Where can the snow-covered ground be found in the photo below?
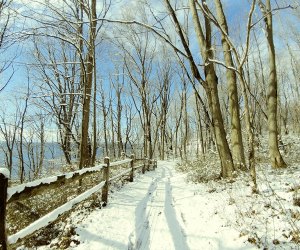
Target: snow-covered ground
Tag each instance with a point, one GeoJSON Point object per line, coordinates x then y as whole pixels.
{"type": "Point", "coordinates": [160, 210]}
{"type": "Point", "coordinates": [163, 210]}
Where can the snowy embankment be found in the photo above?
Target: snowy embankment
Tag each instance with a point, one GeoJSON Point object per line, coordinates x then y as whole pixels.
{"type": "Point", "coordinates": [159, 211]}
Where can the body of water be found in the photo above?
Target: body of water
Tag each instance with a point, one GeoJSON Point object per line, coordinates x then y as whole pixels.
{"type": "Point", "coordinates": [53, 158]}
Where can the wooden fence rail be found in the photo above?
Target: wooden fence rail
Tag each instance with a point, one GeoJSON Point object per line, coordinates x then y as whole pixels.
{"type": "Point", "coordinates": [27, 190]}
{"type": "Point", "coordinates": [3, 197]}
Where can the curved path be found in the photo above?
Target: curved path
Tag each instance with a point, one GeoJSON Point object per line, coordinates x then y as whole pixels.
{"type": "Point", "coordinates": [158, 211]}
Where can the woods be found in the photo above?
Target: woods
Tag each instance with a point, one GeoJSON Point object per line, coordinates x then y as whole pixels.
{"type": "Point", "coordinates": [208, 89]}
{"type": "Point", "coordinates": [170, 79]}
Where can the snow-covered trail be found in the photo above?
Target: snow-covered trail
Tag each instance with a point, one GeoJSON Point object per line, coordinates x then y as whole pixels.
{"type": "Point", "coordinates": [158, 211]}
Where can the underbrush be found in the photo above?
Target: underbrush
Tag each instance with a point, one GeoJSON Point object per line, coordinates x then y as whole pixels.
{"type": "Point", "coordinates": [203, 169]}
{"type": "Point", "coordinates": [22, 213]}
{"type": "Point", "coordinates": [269, 219]}
{"type": "Point", "coordinates": [61, 233]}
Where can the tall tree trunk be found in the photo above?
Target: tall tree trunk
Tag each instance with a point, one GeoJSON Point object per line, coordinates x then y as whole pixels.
{"type": "Point", "coordinates": [238, 154]}
{"type": "Point", "coordinates": [119, 117]}
{"type": "Point", "coordinates": [149, 137]}
{"type": "Point", "coordinates": [275, 156]}
{"type": "Point", "coordinates": [22, 168]}
{"type": "Point", "coordinates": [250, 132]}
{"type": "Point", "coordinates": [145, 127]}
{"type": "Point", "coordinates": [66, 148]}
{"type": "Point", "coordinates": [220, 134]}
{"type": "Point", "coordinates": [42, 149]}
{"type": "Point", "coordinates": [176, 143]}
{"type": "Point", "coordinates": [186, 124]}
{"type": "Point", "coordinates": [113, 148]}
{"type": "Point", "coordinates": [95, 115]}
{"type": "Point", "coordinates": [211, 89]}
{"type": "Point", "coordinates": [199, 127]}
{"type": "Point", "coordinates": [85, 157]}
{"type": "Point", "coordinates": [104, 113]}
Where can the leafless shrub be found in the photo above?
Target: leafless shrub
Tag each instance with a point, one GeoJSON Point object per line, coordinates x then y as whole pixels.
{"type": "Point", "coordinates": [204, 169]}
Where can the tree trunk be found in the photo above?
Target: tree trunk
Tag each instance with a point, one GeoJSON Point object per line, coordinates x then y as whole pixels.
{"type": "Point", "coordinates": [149, 138]}
{"type": "Point", "coordinates": [275, 156]}
{"type": "Point", "coordinates": [238, 154]}
{"type": "Point", "coordinates": [113, 148]}
{"type": "Point", "coordinates": [184, 141]}
{"type": "Point", "coordinates": [21, 154]}
{"type": "Point", "coordinates": [199, 127]}
{"type": "Point", "coordinates": [42, 149]}
{"type": "Point", "coordinates": [220, 134]}
{"type": "Point", "coordinates": [85, 157]}
{"type": "Point", "coordinates": [211, 89]}
{"type": "Point", "coordinates": [95, 115]}
{"type": "Point", "coordinates": [119, 116]}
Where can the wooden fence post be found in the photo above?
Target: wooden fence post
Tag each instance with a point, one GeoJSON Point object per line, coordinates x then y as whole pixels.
{"type": "Point", "coordinates": [106, 178]}
{"type": "Point", "coordinates": [132, 168]}
{"type": "Point", "coordinates": [3, 197]}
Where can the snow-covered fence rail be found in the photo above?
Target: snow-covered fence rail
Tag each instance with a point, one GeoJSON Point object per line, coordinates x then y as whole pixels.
{"type": "Point", "coordinates": [29, 189]}
{"type": "Point", "coordinates": [110, 171]}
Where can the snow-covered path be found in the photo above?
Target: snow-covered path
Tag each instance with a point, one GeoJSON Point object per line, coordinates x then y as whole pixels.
{"type": "Point", "coordinates": [158, 211]}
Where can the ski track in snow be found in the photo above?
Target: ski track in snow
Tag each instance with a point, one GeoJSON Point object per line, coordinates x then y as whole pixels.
{"type": "Point", "coordinates": [158, 211]}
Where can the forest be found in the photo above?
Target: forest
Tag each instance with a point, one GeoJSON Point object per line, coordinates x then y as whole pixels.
{"type": "Point", "coordinates": [212, 87]}
{"type": "Point", "coordinates": [160, 79]}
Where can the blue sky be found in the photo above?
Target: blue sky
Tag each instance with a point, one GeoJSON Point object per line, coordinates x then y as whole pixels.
{"type": "Point", "coordinates": [235, 10]}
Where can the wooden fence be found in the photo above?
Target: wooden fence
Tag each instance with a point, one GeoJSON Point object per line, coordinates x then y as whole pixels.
{"type": "Point", "coordinates": [109, 171]}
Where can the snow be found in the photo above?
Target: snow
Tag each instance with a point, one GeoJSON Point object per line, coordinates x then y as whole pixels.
{"type": "Point", "coordinates": [5, 172]}
{"type": "Point", "coordinates": [53, 215]}
{"type": "Point", "coordinates": [163, 209]}
{"type": "Point", "coordinates": [18, 189]}
{"type": "Point", "coordinates": [85, 170]}
{"type": "Point", "coordinates": [120, 162]}
{"type": "Point", "coordinates": [159, 211]}
{"type": "Point", "coordinates": [120, 175]}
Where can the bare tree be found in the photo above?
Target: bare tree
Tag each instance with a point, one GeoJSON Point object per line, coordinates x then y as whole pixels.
{"type": "Point", "coordinates": [240, 61]}
{"type": "Point", "coordinates": [139, 65]}
{"type": "Point", "coordinates": [5, 41]}
{"type": "Point", "coordinates": [58, 88]}
{"type": "Point", "coordinates": [164, 76]}
{"type": "Point", "coordinates": [118, 87]}
{"type": "Point", "coordinates": [236, 131]}
{"type": "Point", "coordinates": [104, 115]}
{"type": "Point", "coordinates": [9, 128]}
{"type": "Point", "coordinates": [22, 123]}
{"type": "Point", "coordinates": [275, 156]}
{"type": "Point", "coordinates": [87, 81]}
{"type": "Point", "coordinates": [34, 148]}
{"type": "Point", "coordinates": [210, 85]}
